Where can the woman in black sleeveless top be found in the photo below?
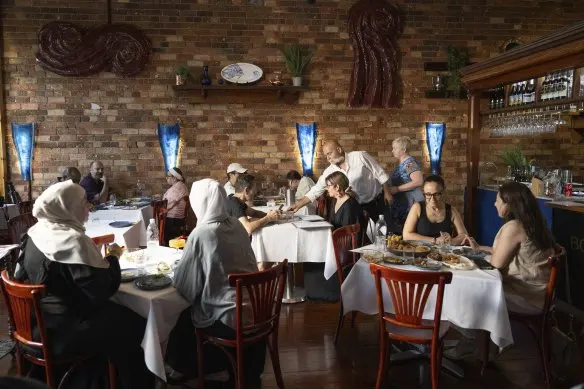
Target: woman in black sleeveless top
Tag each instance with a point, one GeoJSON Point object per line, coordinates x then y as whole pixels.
{"type": "Point", "coordinates": [433, 220]}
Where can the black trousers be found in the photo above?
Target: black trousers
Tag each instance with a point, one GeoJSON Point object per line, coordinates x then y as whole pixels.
{"type": "Point", "coordinates": [173, 229]}
{"type": "Point", "coordinates": [182, 351]}
{"type": "Point", "coordinates": [375, 207]}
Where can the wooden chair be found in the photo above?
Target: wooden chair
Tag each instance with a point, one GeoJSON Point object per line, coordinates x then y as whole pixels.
{"type": "Point", "coordinates": [538, 323]}
{"type": "Point", "coordinates": [19, 225]}
{"type": "Point", "coordinates": [321, 206]}
{"type": "Point", "coordinates": [103, 241]}
{"type": "Point", "coordinates": [345, 239]}
{"type": "Point", "coordinates": [25, 207]}
{"type": "Point", "coordinates": [156, 205]}
{"type": "Point", "coordinates": [409, 291]}
{"type": "Point", "coordinates": [161, 223]}
{"type": "Point", "coordinates": [265, 290]}
{"type": "Point", "coordinates": [23, 304]}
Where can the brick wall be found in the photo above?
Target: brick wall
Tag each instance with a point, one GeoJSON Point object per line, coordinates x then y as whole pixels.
{"type": "Point", "coordinates": [261, 135]}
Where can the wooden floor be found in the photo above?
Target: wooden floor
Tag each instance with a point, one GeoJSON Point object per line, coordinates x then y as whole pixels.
{"type": "Point", "coordinates": [310, 360]}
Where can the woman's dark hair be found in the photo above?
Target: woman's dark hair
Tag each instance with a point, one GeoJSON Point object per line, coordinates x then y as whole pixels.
{"type": "Point", "coordinates": [338, 178]}
{"type": "Point", "coordinates": [436, 179]}
{"type": "Point", "coordinates": [522, 206]}
{"type": "Point", "coordinates": [293, 175]}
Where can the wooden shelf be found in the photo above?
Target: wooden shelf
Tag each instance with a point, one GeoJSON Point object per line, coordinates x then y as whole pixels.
{"type": "Point", "coordinates": [539, 104]}
{"type": "Point", "coordinates": [204, 90]}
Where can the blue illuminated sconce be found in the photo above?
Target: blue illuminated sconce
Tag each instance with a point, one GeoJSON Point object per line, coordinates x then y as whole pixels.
{"type": "Point", "coordinates": [23, 138]}
{"type": "Point", "coordinates": [169, 138]}
{"type": "Point", "coordinates": [306, 135]}
{"type": "Point", "coordinates": [435, 135]}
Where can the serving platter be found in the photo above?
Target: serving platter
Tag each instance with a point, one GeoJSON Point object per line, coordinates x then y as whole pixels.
{"type": "Point", "coordinates": [241, 73]}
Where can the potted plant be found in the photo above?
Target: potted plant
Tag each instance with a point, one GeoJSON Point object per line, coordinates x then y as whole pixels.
{"type": "Point", "coordinates": [182, 74]}
{"type": "Point", "coordinates": [457, 59]}
{"type": "Point", "coordinates": [297, 58]}
{"type": "Point", "coordinates": [515, 160]}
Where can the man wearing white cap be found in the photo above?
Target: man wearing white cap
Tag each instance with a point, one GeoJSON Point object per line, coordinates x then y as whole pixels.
{"type": "Point", "coordinates": [233, 171]}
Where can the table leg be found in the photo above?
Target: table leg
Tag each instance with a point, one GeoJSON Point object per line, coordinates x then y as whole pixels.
{"type": "Point", "coordinates": [292, 295]}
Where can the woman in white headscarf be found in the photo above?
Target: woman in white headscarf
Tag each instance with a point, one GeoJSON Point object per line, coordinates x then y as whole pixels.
{"type": "Point", "coordinates": [177, 204]}
{"type": "Point", "coordinates": [80, 318]}
{"type": "Point", "coordinates": [218, 246]}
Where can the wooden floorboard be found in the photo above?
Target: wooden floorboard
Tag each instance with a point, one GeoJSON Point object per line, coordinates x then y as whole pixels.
{"type": "Point", "coordinates": [310, 360]}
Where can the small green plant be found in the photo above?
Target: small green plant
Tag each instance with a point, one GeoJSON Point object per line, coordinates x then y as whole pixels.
{"type": "Point", "coordinates": [297, 58]}
{"type": "Point", "coordinates": [513, 156]}
{"type": "Point", "coordinates": [183, 71]}
{"type": "Point", "coordinates": [457, 59]}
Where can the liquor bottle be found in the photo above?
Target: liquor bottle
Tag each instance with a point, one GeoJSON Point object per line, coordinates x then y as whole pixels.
{"type": "Point", "coordinates": [545, 88]}
{"type": "Point", "coordinates": [521, 96]}
{"type": "Point", "coordinates": [531, 89]}
{"type": "Point", "coordinates": [513, 95]}
{"type": "Point", "coordinates": [562, 88]}
{"type": "Point", "coordinates": [492, 98]}
{"type": "Point", "coordinates": [501, 99]}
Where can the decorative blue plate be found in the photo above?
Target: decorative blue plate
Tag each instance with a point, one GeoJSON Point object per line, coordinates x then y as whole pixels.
{"type": "Point", "coordinates": [121, 224]}
{"type": "Point", "coordinates": [241, 73]}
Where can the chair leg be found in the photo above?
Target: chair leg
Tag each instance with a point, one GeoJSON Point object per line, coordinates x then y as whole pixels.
{"type": "Point", "coordinates": [275, 356]}
{"type": "Point", "coordinates": [111, 369]}
{"type": "Point", "coordinates": [435, 360]}
{"type": "Point", "coordinates": [384, 345]}
{"type": "Point", "coordinates": [486, 342]}
{"type": "Point", "coordinates": [339, 323]}
{"type": "Point", "coordinates": [240, 372]}
{"type": "Point", "coordinates": [200, 361]}
{"type": "Point", "coordinates": [353, 317]}
{"type": "Point", "coordinates": [544, 348]}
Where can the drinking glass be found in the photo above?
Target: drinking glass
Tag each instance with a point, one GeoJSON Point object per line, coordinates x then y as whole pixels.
{"type": "Point", "coordinates": [113, 200]}
{"type": "Point", "coordinates": [408, 256]}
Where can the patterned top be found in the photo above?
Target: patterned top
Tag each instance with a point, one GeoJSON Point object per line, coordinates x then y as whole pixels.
{"type": "Point", "coordinates": [403, 201]}
{"type": "Point", "coordinates": [176, 204]}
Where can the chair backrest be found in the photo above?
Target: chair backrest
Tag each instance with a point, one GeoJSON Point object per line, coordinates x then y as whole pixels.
{"type": "Point", "coordinates": [19, 225]}
{"type": "Point", "coordinates": [265, 290]}
{"type": "Point", "coordinates": [321, 206]}
{"type": "Point", "coordinates": [102, 241]}
{"type": "Point", "coordinates": [554, 262]}
{"type": "Point", "coordinates": [25, 207]}
{"type": "Point", "coordinates": [190, 218]}
{"type": "Point", "coordinates": [22, 301]}
{"type": "Point", "coordinates": [161, 217]}
{"type": "Point", "coordinates": [409, 291]}
{"type": "Point", "coordinates": [156, 205]}
{"type": "Point", "coordinates": [345, 239]}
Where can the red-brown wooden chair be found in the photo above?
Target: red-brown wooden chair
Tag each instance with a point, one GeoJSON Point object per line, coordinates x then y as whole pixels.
{"type": "Point", "coordinates": [156, 206]}
{"type": "Point", "coordinates": [539, 323]}
{"type": "Point", "coordinates": [161, 223]}
{"type": "Point", "coordinates": [25, 207]}
{"type": "Point", "coordinates": [345, 239]}
{"type": "Point", "coordinates": [19, 225]}
{"type": "Point", "coordinates": [265, 290]}
{"type": "Point", "coordinates": [23, 304]}
{"type": "Point", "coordinates": [102, 242]}
{"type": "Point", "coordinates": [409, 291]}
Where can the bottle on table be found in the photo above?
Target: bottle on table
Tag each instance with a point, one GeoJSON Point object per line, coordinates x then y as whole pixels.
{"type": "Point", "coordinates": [152, 238]}
{"type": "Point", "coordinates": [380, 233]}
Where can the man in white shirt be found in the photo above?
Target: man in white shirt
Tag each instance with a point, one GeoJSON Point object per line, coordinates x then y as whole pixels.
{"type": "Point", "coordinates": [366, 177]}
{"type": "Point", "coordinates": [233, 171]}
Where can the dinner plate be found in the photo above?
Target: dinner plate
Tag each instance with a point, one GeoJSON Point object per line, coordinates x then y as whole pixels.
{"type": "Point", "coordinates": [392, 260]}
{"type": "Point", "coordinates": [121, 224]}
{"type": "Point", "coordinates": [464, 262]}
{"type": "Point", "coordinates": [469, 252]}
{"type": "Point", "coordinates": [152, 282]}
{"type": "Point", "coordinates": [241, 73]}
{"type": "Point", "coordinates": [419, 253]}
{"type": "Point", "coordinates": [427, 264]}
{"type": "Point", "coordinates": [131, 274]}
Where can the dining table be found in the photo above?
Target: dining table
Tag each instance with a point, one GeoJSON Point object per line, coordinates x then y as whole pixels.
{"type": "Point", "coordinates": [161, 308]}
{"type": "Point", "coordinates": [99, 222]}
{"type": "Point", "coordinates": [304, 238]}
{"type": "Point", "coordinates": [473, 300]}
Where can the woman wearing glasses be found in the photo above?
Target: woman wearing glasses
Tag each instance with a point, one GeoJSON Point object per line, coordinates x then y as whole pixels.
{"type": "Point", "coordinates": [434, 220]}
{"type": "Point", "coordinates": [177, 204]}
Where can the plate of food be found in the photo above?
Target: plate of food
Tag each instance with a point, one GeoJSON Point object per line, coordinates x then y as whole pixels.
{"type": "Point", "coordinates": [131, 274]}
{"type": "Point", "coordinates": [469, 252]}
{"type": "Point", "coordinates": [372, 256]}
{"type": "Point", "coordinates": [241, 73]}
{"type": "Point", "coordinates": [427, 264]}
{"type": "Point", "coordinates": [393, 260]}
{"type": "Point", "coordinates": [396, 245]}
{"type": "Point", "coordinates": [152, 282]}
{"type": "Point", "coordinates": [457, 262]}
{"type": "Point", "coordinates": [435, 256]}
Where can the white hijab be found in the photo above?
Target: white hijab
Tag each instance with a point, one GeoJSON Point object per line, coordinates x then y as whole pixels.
{"type": "Point", "coordinates": [59, 233]}
{"type": "Point", "coordinates": [208, 201]}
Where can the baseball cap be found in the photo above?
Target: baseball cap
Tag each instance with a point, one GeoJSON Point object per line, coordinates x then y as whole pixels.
{"type": "Point", "coordinates": [235, 167]}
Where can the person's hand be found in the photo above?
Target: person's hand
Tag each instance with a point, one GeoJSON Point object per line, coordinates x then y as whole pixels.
{"type": "Point", "coordinates": [444, 238]}
{"type": "Point", "coordinates": [294, 207]}
{"type": "Point", "coordinates": [114, 250]}
{"type": "Point", "coordinates": [393, 189]}
{"type": "Point", "coordinates": [104, 179]}
{"type": "Point", "coordinates": [273, 215]}
{"type": "Point", "coordinates": [469, 241]}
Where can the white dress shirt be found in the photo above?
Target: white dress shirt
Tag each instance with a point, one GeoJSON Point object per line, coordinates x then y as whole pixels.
{"type": "Point", "coordinates": [365, 175]}
{"type": "Point", "coordinates": [230, 189]}
{"type": "Point", "coordinates": [304, 186]}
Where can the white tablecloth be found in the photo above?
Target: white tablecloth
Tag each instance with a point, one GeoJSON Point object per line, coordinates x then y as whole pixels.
{"type": "Point", "coordinates": [473, 300]}
{"type": "Point", "coordinates": [275, 242]}
{"type": "Point", "coordinates": [310, 209]}
{"type": "Point", "coordinates": [127, 236]}
{"type": "Point", "coordinates": [161, 308]}
{"type": "Point", "coordinates": [143, 214]}
{"type": "Point", "coordinates": [8, 209]}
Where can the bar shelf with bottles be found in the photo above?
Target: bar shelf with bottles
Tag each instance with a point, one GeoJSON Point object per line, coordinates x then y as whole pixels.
{"type": "Point", "coordinates": [556, 88]}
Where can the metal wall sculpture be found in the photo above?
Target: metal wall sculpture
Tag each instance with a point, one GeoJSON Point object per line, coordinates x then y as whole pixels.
{"type": "Point", "coordinates": [374, 27]}
{"type": "Point", "coordinates": [23, 138]}
{"type": "Point", "coordinates": [306, 135]}
{"type": "Point", "coordinates": [435, 135]}
{"type": "Point", "coordinates": [169, 138]}
{"type": "Point", "coordinates": [69, 50]}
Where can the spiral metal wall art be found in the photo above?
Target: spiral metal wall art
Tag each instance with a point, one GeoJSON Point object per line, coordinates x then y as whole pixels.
{"type": "Point", "coordinates": [374, 27]}
{"type": "Point", "coordinates": [69, 50]}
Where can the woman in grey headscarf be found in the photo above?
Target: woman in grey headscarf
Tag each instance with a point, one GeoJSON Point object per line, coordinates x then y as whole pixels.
{"type": "Point", "coordinates": [218, 246]}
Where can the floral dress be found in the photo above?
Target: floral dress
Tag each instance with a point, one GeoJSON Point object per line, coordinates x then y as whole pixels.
{"type": "Point", "coordinates": [403, 201]}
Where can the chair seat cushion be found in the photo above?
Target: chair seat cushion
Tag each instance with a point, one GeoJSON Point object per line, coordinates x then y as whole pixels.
{"type": "Point", "coordinates": [423, 334]}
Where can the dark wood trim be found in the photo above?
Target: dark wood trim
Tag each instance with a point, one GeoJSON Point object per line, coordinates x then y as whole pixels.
{"type": "Point", "coordinates": [4, 173]}
{"type": "Point", "coordinates": [472, 155]}
{"type": "Point", "coordinates": [539, 104]}
{"type": "Point", "coordinates": [204, 90]}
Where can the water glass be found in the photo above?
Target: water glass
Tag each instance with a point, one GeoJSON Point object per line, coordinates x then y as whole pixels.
{"type": "Point", "coordinates": [381, 243]}
{"type": "Point", "coordinates": [113, 200]}
{"type": "Point", "coordinates": [408, 256]}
